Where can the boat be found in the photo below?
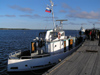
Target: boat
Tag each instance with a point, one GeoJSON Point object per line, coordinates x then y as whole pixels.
{"type": "Point", "coordinates": [82, 30]}
{"type": "Point", "coordinates": [47, 50]}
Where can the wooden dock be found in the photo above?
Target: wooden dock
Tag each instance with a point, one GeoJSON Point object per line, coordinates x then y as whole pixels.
{"type": "Point", "coordinates": [85, 61]}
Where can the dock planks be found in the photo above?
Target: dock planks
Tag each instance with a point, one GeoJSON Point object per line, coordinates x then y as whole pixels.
{"type": "Point", "coordinates": [85, 61]}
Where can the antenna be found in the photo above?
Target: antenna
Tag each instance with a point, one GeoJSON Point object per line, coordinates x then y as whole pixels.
{"type": "Point", "coordinates": [81, 25]}
{"type": "Point", "coordinates": [61, 21]}
{"type": "Point", "coordinates": [94, 26]}
{"type": "Point", "coordinates": [52, 4]}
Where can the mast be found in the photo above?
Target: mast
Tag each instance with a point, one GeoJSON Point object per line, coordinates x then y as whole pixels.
{"type": "Point", "coordinates": [52, 4]}
{"type": "Point", "coordinates": [93, 26]}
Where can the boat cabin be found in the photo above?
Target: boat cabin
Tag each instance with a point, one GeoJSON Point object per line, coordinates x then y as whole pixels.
{"type": "Point", "coordinates": [54, 42]}
{"type": "Point", "coordinates": [54, 35]}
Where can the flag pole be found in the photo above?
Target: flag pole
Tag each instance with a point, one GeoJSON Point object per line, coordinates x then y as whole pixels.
{"type": "Point", "coordinates": [52, 12]}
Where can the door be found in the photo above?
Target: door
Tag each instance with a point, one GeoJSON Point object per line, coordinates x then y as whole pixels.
{"type": "Point", "coordinates": [64, 46]}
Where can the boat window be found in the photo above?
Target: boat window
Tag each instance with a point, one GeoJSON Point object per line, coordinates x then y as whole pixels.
{"type": "Point", "coordinates": [63, 34]}
{"type": "Point", "coordinates": [54, 34]}
{"type": "Point", "coordinates": [42, 34]}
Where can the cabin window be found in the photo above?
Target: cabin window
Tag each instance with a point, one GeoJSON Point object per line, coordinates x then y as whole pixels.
{"type": "Point", "coordinates": [63, 34]}
{"type": "Point", "coordinates": [54, 34]}
{"type": "Point", "coordinates": [42, 34]}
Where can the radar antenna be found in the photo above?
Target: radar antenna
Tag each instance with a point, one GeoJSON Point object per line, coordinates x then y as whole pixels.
{"type": "Point", "coordinates": [61, 23]}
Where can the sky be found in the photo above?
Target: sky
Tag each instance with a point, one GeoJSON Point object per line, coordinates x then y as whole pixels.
{"type": "Point", "coordinates": [31, 14]}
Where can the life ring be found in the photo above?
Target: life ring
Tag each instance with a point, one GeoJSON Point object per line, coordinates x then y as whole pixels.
{"type": "Point", "coordinates": [59, 35]}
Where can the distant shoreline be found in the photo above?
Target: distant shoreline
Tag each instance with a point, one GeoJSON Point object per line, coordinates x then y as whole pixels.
{"type": "Point", "coordinates": [14, 29]}
{"type": "Point", "coordinates": [27, 29]}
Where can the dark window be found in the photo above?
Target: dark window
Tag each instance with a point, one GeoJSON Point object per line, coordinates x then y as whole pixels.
{"type": "Point", "coordinates": [63, 34]}
{"type": "Point", "coordinates": [14, 68]}
{"type": "Point", "coordinates": [54, 34]}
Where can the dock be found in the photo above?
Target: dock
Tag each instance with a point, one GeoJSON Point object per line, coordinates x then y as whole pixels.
{"type": "Point", "coordinates": [84, 61]}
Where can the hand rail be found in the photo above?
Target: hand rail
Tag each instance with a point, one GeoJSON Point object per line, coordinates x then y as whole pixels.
{"type": "Point", "coordinates": [14, 53]}
{"type": "Point", "coordinates": [31, 57]}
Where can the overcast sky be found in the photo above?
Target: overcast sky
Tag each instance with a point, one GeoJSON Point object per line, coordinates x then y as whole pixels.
{"type": "Point", "coordinates": [31, 13]}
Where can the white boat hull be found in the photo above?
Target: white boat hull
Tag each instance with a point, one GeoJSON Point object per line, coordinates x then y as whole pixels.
{"type": "Point", "coordinates": [15, 65]}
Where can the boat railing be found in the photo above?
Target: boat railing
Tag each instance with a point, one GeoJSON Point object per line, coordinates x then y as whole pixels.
{"type": "Point", "coordinates": [36, 56]}
{"type": "Point", "coordinates": [15, 53]}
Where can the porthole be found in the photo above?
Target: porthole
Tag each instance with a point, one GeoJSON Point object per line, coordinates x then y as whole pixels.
{"type": "Point", "coordinates": [26, 65]}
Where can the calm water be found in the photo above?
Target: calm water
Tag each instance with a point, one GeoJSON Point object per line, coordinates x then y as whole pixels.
{"type": "Point", "coordinates": [12, 40]}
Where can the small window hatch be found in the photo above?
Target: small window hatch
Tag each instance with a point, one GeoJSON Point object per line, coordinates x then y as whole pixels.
{"type": "Point", "coordinates": [14, 68]}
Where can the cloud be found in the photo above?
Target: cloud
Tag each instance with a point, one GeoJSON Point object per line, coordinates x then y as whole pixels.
{"type": "Point", "coordinates": [85, 15]}
{"type": "Point", "coordinates": [50, 17]}
{"type": "Point", "coordinates": [7, 15]}
{"type": "Point", "coordinates": [78, 13]}
{"type": "Point", "coordinates": [64, 5]}
{"type": "Point", "coordinates": [10, 15]}
{"type": "Point", "coordinates": [83, 23]}
{"type": "Point", "coordinates": [62, 11]}
{"type": "Point", "coordinates": [91, 22]}
{"type": "Point", "coordinates": [72, 23]}
{"type": "Point", "coordinates": [78, 8]}
{"type": "Point", "coordinates": [97, 23]}
{"type": "Point", "coordinates": [36, 15]}
{"type": "Point", "coordinates": [28, 10]}
{"type": "Point", "coordinates": [31, 16]}
{"type": "Point", "coordinates": [46, 18]}
{"type": "Point", "coordinates": [72, 11]}
{"type": "Point", "coordinates": [1, 16]}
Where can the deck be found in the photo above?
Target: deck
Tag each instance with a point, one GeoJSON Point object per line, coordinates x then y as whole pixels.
{"type": "Point", "coordinates": [85, 61]}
